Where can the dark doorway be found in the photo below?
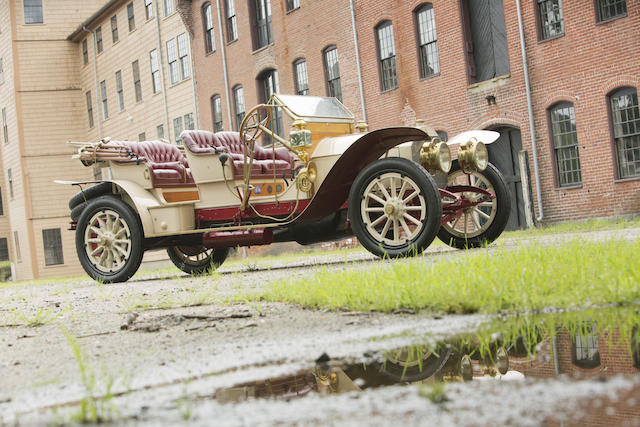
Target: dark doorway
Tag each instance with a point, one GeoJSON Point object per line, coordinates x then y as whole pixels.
{"type": "Point", "coordinates": [503, 153]}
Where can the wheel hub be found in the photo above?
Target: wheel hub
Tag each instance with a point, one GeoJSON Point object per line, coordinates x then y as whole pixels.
{"type": "Point", "coordinates": [394, 208]}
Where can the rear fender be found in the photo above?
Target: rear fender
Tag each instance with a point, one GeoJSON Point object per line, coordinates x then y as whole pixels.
{"type": "Point", "coordinates": [140, 200]}
{"type": "Point", "coordinates": [334, 190]}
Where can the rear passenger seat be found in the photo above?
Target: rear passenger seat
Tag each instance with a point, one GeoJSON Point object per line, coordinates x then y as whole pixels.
{"type": "Point", "coordinates": [202, 142]}
{"type": "Point", "coordinates": [168, 166]}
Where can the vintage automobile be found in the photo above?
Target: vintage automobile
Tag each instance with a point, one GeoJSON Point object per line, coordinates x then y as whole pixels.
{"type": "Point", "coordinates": [396, 189]}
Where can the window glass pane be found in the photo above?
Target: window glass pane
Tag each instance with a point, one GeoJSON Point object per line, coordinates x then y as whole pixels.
{"type": "Point", "coordinates": [160, 131]}
{"type": "Point", "coordinates": [148, 8]}
{"type": "Point", "coordinates": [611, 8]}
{"type": "Point", "coordinates": [114, 28]}
{"type": "Point", "coordinates": [136, 80]}
{"type": "Point", "coordinates": [103, 94]}
{"type": "Point", "coordinates": [387, 52]}
{"type": "Point", "coordinates": [131, 18]}
{"type": "Point", "coordinates": [232, 28]}
{"type": "Point", "coordinates": [188, 121]}
{"type": "Point", "coordinates": [177, 130]}
{"type": "Point", "coordinates": [52, 247]}
{"type": "Point", "coordinates": [183, 54]}
{"type": "Point", "coordinates": [168, 7]}
{"type": "Point", "coordinates": [238, 97]}
{"type": "Point", "coordinates": [333, 73]}
{"type": "Point", "coordinates": [551, 20]}
{"type": "Point", "coordinates": [626, 129]}
{"type": "Point", "coordinates": [429, 62]}
{"type": "Point", "coordinates": [99, 39]}
{"type": "Point", "coordinates": [565, 142]}
{"type": "Point", "coordinates": [89, 108]}
{"type": "Point", "coordinates": [33, 11]}
{"type": "Point", "coordinates": [302, 80]}
{"type": "Point", "coordinates": [209, 39]}
{"type": "Point", "coordinates": [263, 22]}
{"type": "Point", "coordinates": [216, 110]}
{"type": "Point", "coordinates": [4, 249]}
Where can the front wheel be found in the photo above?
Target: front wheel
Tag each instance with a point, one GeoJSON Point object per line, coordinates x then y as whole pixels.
{"type": "Point", "coordinates": [197, 260]}
{"type": "Point", "coordinates": [394, 208]}
{"type": "Point", "coordinates": [485, 218]}
{"type": "Point", "coordinates": [109, 240]}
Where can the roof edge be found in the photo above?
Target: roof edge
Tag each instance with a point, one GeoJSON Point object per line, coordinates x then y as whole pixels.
{"type": "Point", "coordinates": [81, 28]}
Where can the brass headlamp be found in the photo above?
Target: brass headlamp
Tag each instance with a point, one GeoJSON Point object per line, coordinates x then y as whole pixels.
{"type": "Point", "coordinates": [435, 155]}
{"type": "Point", "coordinates": [473, 156]}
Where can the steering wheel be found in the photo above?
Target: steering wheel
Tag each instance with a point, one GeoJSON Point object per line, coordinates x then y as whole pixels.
{"type": "Point", "coordinates": [249, 128]}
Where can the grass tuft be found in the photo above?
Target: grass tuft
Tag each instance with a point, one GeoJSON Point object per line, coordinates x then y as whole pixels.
{"type": "Point", "coordinates": [530, 279]}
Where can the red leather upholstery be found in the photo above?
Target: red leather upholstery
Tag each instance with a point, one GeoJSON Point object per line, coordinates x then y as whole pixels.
{"type": "Point", "coordinates": [200, 142]}
{"type": "Point", "coordinates": [168, 166]}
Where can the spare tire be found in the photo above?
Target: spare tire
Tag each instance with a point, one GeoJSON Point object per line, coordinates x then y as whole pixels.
{"type": "Point", "coordinates": [90, 193]}
{"type": "Point", "coordinates": [77, 211]}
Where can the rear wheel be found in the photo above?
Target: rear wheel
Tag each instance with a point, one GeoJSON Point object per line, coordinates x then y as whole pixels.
{"type": "Point", "coordinates": [197, 259]}
{"type": "Point", "coordinates": [109, 240]}
{"type": "Point", "coordinates": [394, 208]}
{"type": "Point", "coordinates": [486, 220]}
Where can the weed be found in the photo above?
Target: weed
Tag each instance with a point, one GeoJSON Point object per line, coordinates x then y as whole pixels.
{"type": "Point", "coordinates": [434, 392]}
{"type": "Point", "coordinates": [38, 317]}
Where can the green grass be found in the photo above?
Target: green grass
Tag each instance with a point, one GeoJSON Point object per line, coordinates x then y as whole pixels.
{"type": "Point", "coordinates": [529, 279]}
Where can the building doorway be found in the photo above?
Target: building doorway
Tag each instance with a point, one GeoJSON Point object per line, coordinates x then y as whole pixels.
{"type": "Point", "coordinates": [503, 153]}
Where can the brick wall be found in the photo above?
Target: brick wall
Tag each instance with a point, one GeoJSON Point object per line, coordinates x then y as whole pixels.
{"type": "Point", "coordinates": [582, 66]}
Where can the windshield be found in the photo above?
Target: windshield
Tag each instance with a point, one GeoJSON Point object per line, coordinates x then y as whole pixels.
{"type": "Point", "coordinates": [309, 107]}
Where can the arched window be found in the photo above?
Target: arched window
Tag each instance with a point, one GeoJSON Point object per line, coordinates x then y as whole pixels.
{"type": "Point", "coordinates": [427, 40]}
{"type": "Point", "coordinates": [232, 27]}
{"type": "Point", "coordinates": [625, 122]}
{"type": "Point", "coordinates": [207, 22]}
{"type": "Point", "coordinates": [565, 144]}
{"type": "Point", "coordinates": [300, 76]}
{"type": "Point", "coordinates": [585, 347]}
{"type": "Point", "coordinates": [386, 56]}
{"type": "Point", "coordinates": [267, 86]}
{"type": "Point", "coordinates": [238, 102]}
{"type": "Point", "coordinates": [332, 71]}
{"type": "Point", "coordinates": [216, 113]}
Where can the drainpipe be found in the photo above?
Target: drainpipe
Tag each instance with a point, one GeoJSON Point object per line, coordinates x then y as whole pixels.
{"type": "Point", "coordinates": [224, 64]}
{"type": "Point", "coordinates": [358, 65]}
{"type": "Point", "coordinates": [161, 67]}
{"type": "Point", "coordinates": [95, 80]}
{"type": "Point", "coordinates": [534, 147]}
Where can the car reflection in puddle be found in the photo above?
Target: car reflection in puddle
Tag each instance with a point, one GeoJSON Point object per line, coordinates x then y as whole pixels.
{"type": "Point", "coordinates": [577, 346]}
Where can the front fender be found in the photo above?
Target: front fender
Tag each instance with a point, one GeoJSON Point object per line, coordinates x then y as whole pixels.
{"type": "Point", "coordinates": [334, 190]}
{"type": "Point", "coordinates": [140, 200]}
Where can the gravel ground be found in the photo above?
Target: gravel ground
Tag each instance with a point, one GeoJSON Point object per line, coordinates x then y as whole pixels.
{"type": "Point", "coordinates": [163, 365]}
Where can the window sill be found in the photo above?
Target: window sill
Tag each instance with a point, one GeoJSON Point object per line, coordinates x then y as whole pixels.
{"type": "Point", "coordinates": [629, 179]}
{"type": "Point", "coordinates": [55, 266]}
{"type": "Point", "coordinates": [429, 77]}
{"type": "Point", "coordinates": [260, 49]}
{"type": "Point", "coordinates": [115, 42]}
{"type": "Point", "coordinates": [178, 83]}
{"type": "Point", "coordinates": [386, 91]}
{"type": "Point", "coordinates": [292, 10]}
{"type": "Point", "coordinates": [169, 15]}
{"type": "Point", "coordinates": [131, 31]}
{"type": "Point", "coordinates": [551, 38]}
{"type": "Point", "coordinates": [615, 18]}
{"type": "Point", "coordinates": [570, 187]}
{"type": "Point", "coordinates": [482, 84]}
{"type": "Point", "coordinates": [230, 42]}
{"type": "Point", "coordinates": [210, 53]}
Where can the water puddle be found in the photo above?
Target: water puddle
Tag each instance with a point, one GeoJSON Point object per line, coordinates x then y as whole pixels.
{"type": "Point", "coordinates": [573, 346]}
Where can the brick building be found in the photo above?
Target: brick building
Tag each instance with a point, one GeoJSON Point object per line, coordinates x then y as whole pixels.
{"type": "Point", "coordinates": [79, 71]}
{"type": "Point", "coordinates": [459, 65]}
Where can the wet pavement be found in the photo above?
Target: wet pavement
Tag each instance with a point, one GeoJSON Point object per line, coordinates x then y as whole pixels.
{"type": "Point", "coordinates": [173, 350]}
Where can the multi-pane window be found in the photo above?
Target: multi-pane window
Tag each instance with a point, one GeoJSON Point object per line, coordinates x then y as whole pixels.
{"type": "Point", "coordinates": [4, 249]}
{"type": "Point", "coordinates": [216, 113]}
{"type": "Point", "coordinates": [387, 55]}
{"type": "Point", "coordinates": [1, 211]}
{"type": "Point", "coordinates": [10, 181]}
{"type": "Point", "coordinates": [565, 144]}
{"type": "Point", "coordinates": [131, 17]}
{"type": "Point", "coordinates": [609, 9]}
{"type": "Point", "coordinates": [232, 26]}
{"type": "Point", "coordinates": [99, 39]}
{"type": "Point", "coordinates": [1, 72]}
{"type": "Point", "coordinates": [207, 21]}
{"type": "Point", "coordinates": [586, 349]}
{"type": "Point", "coordinates": [168, 7]}
{"type": "Point", "coordinates": [177, 130]}
{"type": "Point", "coordinates": [188, 121]}
{"type": "Point", "coordinates": [148, 9]}
{"type": "Point", "coordinates": [119, 90]}
{"type": "Point", "coordinates": [292, 4]}
{"type": "Point", "coordinates": [137, 85]}
{"type": "Point", "coordinates": [33, 11]}
{"type": "Point", "coordinates": [155, 70]}
{"type": "Point", "coordinates": [5, 126]}
{"type": "Point", "coordinates": [114, 28]}
{"type": "Point", "coordinates": [160, 131]}
{"type": "Point", "coordinates": [238, 101]}
{"type": "Point", "coordinates": [52, 242]}
{"type": "Point", "coordinates": [551, 21]}
{"type": "Point", "coordinates": [332, 72]}
{"type": "Point", "coordinates": [183, 54]}
{"type": "Point", "coordinates": [626, 131]}
{"type": "Point", "coordinates": [105, 105]}
{"type": "Point", "coordinates": [89, 108]}
{"type": "Point", "coordinates": [263, 23]}
{"type": "Point", "coordinates": [85, 52]}
{"type": "Point", "coordinates": [300, 77]}
{"type": "Point", "coordinates": [142, 136]}
{"type": "Point", "coordinates": [268, 85]}
{"type": "Point", "coordinates": [427, 41]}
{"type": "Point", "coordinates": [172, 57]}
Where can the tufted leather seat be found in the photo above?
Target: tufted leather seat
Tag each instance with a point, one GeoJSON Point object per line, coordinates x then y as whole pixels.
{"type": "Point", "coordinates": [168, 166]}
{"type": "Point", "coordinates": [202, 142]}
